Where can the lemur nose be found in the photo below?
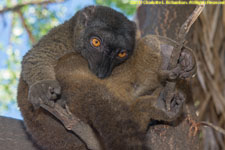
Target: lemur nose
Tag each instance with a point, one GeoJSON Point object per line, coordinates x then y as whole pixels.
{"type": "Point", "coordinates": [101, 75]}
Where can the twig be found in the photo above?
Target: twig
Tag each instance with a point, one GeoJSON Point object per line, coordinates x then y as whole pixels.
{"type": "Point", "coordinates": [221, 130]}
{"type": "Point", "coordinates": [170, 86]}
{"type": "Point", "coordinates": [189, 22]}
{"type": "Point", "coordinates": [19, 6]}
{"type": "Point", "coordinates": [72, 123]}
{"type": "Point", "coordinates": [29, 32]}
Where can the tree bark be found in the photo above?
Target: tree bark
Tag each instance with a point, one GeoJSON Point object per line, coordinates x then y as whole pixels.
{"type": "Point", "coordinates": [166, 20]}
{"type": "Point", "coordinates": [207, 39]}
{"type": "Point", "coordinates": [13, 135]}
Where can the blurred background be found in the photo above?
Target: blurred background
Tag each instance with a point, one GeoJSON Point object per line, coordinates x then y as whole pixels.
{"type": "Point", "coordinates": [24, 22]}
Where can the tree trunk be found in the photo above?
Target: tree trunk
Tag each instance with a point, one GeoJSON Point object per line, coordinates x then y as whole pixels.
{"type": "Point", "coordinates": [207, 39]}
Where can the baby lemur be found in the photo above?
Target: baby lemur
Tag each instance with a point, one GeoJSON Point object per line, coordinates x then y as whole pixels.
{"type": "Point", "coordinates": [119, 107]}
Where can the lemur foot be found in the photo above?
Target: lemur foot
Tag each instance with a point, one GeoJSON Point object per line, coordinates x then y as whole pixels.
{"type": "Point", "coordinates": [186, 67]}
{"type": "Point", "coordinates": [176, 102]}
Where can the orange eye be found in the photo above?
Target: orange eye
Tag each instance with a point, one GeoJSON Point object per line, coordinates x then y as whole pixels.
{"type": "Point", "coordinates": [95, 42]}
{"type": "Point", "coordinates": [122, 54]}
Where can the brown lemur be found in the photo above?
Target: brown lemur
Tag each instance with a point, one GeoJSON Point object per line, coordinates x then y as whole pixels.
{"type": "Point", "coordinates": [89, 25]}
{"type": "Point", "coordinates": [118, 107]}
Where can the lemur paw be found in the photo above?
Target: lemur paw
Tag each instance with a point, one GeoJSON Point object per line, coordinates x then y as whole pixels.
{"type": "Point", "coordinates": [46, 91]}
{"type": "Point", "coordinates": [187, 63]}
{"type": "Point", "coordinates": [186, 66]}
{"type": "Point", "coordinates": [176, 105]}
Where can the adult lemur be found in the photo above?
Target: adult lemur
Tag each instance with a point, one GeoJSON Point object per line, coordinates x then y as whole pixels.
{"type": "Point", "coordinates": [118, 107]}
{"type": "Point", "coordinates": [99, 34]}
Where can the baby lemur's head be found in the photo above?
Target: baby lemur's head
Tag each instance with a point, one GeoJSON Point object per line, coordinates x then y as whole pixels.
{"type": "Point", "coordinates": [104, 37]}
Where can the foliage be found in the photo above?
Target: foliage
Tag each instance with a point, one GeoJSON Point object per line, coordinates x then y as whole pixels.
{"type": "Point", "coordinates": [37, 19]}
{"type": "Point", "coordinates": [8, 79]}
{"type": "Point", "coordinates": [124, 5]}
{"type": "Point", "coordinates": [40, 20]}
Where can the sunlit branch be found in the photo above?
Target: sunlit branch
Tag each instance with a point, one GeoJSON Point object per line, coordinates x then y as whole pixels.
{"type": "Point", "coordinates": [29, 32]}
{"type": "Point", "coordinates": [19, 6]}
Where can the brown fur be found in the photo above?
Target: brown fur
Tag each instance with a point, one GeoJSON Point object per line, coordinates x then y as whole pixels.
{"type": "Point", "coordinates": [58, 42]}
{"type": "Point", "coordinates": [117, 107]}
{"type": "Point", "coordinates": [44, 129]}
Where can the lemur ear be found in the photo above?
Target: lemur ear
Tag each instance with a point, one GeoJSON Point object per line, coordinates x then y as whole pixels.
{"type": "Point", "coordinates": [86, 14]}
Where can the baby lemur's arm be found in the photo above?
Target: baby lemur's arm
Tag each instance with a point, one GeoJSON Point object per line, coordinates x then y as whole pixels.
{"type": "Point", "coordinates": [150, 102]}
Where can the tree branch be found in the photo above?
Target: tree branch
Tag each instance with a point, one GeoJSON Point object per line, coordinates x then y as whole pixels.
{"type": "Point", "coordinates": [170, 86]}
{"type": "Point", "coordinates": [13, 135]}
{"type": "Point", "coordinates": [29, 32]}
{"type": "Point", "coordinates": [19, 6]}
{"type": "Point", "coordinates": [218, 129]}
